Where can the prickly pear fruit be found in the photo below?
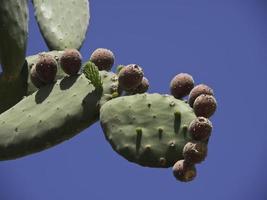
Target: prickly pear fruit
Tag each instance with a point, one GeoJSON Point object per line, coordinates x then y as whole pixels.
{"type": "Point", "coordinates": [35, 78]}
{"type": "Point", "coordinates": [198, 90]}
{"type": "Point", "coordinates": [130, 77]}
{"type": "Point", "coordinates": [181, 85]}
{"type": "Point", "coordinates": [142, 88]}
{"type": "Point", "coordinates": [46, 68]}
{"type": "Point", "coordinates": [205, 105]}
{"type": "Point", "coordinates": [71, 61]}
{"type": "Point", "coordinates": [184, 171]}
{"type": "Point", "coordinates": [195, 152]}
{"type": "Point", "coordinates": [200, 128]}
{"type": "Point", "coordinates": [103, 59]}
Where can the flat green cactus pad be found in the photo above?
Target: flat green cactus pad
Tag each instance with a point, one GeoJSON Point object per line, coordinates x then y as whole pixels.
{"type": "Point", "coordinates": [63, 23]}
{"type": "Point", "coordinates": [14, 17]}
{"type": "Point", "coordinates": [53, 114]}
{"type": "Point", "coordinates": [148, 129]}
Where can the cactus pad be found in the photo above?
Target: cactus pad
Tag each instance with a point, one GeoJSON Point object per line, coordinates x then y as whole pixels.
{"type": "Point", "coordinates": [67, 107]}
{"type": "Point", "coordinates": [14, 16]}
{"type": "Point", "coordinates": [63, 23]}
{"type": "Point", "coordinates": [148, 129]}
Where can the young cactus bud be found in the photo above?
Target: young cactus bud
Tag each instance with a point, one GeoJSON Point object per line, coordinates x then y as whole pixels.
{"type": "Point", "coordinates": [198, 90]}
{"type": "Point", "coordinates": [200, 128]}
{"type": "Point", "coordinates": [184, 171]}
{"type": "Point", "coordinates": [130, 77]}
{"type": "Point", "coordinates": [103, 59]}
{"type": "Point", "coordinates": [71, 61]}
{"type": "Point", "coordinates": [181, 85]}
{"type": "Point", "coordinates": [205, 105]}
{"type": "Point", "coordinates": [46, 68]}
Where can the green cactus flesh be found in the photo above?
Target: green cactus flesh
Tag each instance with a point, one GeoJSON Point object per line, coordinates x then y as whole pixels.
{"type": "Point", "coordinates": [14, 16]}
{"type": "Point", "coordinates": [63, 23]}
{"type": "Point", "coordinates": [51, 115]}
{"type": "Point", "coordinates": [148, 129]}
{"type": "Point", "coordinates": [12, 91]}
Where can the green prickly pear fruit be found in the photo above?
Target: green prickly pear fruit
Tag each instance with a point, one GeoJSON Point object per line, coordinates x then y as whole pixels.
{"type": "Point", "coordinates": [46, 68]}
{"type": "Point", "coordinates": [181, 85]}
{"type": "Point", "coordinates": [205, 105]}
{"type": "Point", "coordinates": [103, 59]}
{"type": "Point", "coordinates": [184, 171]}
{"type": "Point", "coordinates": [130, 77]}
{"type": "Point", "coordinates": [142, 88]}
{"type": "Point", "coordinates": [198, 90]}
{"type": "Point", "coordinates": [195, 152]}
{"type": "Point", "coordinates": [71, 61]}
{"type": "Point", "coordinates": [200, 128]}
{"type": "Point", "coordinates": [35, 78]}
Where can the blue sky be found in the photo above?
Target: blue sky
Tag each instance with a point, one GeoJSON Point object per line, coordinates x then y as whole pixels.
{"type": "Point", "coordinates": [221, 43]}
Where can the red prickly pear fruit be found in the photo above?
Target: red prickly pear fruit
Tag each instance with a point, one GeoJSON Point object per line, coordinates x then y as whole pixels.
{"type": "Point", "coordinates": [71, 61]}
{"type": "Point", "coordinates": [195, 152]}
{"type": "Point", "coordinates": [198, 90]}
{"type": "Point", "coordinates": [103, 58]}
{"type": "Point", "coordinates": [200, 128]}
{"type": "Point", "coordinates": [181, 85]}
{"type": "Point", "coordinates": [130, 77]}
{"type": "Point", "coordinates": [205, 105]}
{"type": "Point", "coordinates": [46, 68]}
{"type": "Point", "coordinates": [142, 88]}
{"type": "Point", "coordinates": [35, 79]}
{"type": "Point", "coordinates": [184, 171]}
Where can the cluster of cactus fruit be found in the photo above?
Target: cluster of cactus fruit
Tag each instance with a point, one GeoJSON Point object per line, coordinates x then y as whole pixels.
{"type": "Point", "coordinates": [157, 130]}
{"type": "Point", "coordinates": [152, 130]}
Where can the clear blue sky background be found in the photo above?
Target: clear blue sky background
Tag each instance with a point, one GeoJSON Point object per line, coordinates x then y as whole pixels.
{"type": "Point", "coordinates": [222, 43]}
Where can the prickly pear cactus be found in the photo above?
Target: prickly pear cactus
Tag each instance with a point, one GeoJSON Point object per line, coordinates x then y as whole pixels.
{"type": "Point", "coordinates": [48, 98]}
{"type": "Point", "coordinates": [148, 129]}
{"type": "Point", "coordinates": [13, 33]}
{"type": "Point", "coordinates": [53, 114]}
{"type": "Point", "coordinates": [63, 23]}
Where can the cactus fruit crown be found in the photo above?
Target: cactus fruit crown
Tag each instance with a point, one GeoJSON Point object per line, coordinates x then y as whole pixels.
{"type": "Point", "coordinates": [152, 130]}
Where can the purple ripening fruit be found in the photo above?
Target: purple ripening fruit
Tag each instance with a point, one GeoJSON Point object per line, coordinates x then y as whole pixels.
{"type": "Point", "coordinates": [103, 58]}
{"type": "Point", "coordinates": [71, 61]}
{"type": "Point", "coordinates": [142, 88]}
{"type": "Point", "coordinates": [181, 85]}
{"type": "Point", "coordinates": [198, 90]}
{"type": "Point", "coordinates": [184, 171]}
{"type": "Point", "coordinates": [46, 68]}
{"type": "Point", "coordinates": [130, 77]}
{"type": "Point", "coordinates": [205, 105]}
{"type": "Point", "coordinates": [195, 152]}
{"type": "Point", "coordinates": [35, 79]}
{"type": "Point", "coordinates": [200, 128]}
